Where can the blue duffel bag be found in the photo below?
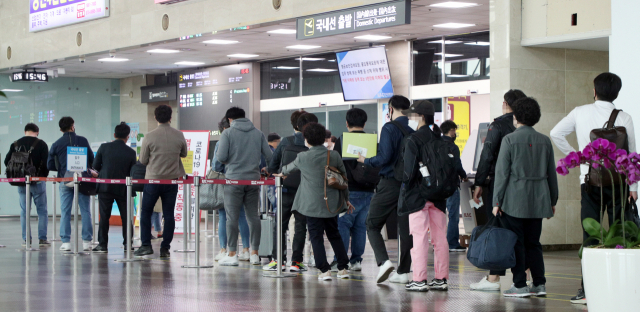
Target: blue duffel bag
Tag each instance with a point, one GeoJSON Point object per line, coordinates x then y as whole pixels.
{"type": "Point", "coordinates": [492, 247]}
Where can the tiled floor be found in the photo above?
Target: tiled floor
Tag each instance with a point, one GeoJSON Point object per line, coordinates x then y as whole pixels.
{"type": "Point", "coordinates": [46, 280]}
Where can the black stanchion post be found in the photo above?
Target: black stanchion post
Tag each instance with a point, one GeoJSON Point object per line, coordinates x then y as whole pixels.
{"type": "Point", "coordinates": [27, 216]}
{"type": "Point", "coordinates": [279, 273]}
{"type": "Point", "coordinates": [196, 184]}
{"type": "Point", "coordinates": [76, 217]}
{"type": "Point", "coordinates": [129, 224]}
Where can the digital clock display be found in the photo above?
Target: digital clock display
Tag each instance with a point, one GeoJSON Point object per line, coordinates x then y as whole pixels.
{"type": "Point", "coordinates": [29, 76]}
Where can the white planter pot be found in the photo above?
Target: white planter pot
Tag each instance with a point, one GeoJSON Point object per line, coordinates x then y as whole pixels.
{"type": "Point", "coordinates": [611, 279]}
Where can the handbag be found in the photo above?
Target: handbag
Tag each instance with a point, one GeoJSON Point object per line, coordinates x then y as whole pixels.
{"type": "Point", "coordinates": [334, 179]}
{"type": "Point", "coordinates": [492, 247]}
{"type": "Point", "coordinates": [631, 214]}
{"type": "Point", "coordinates": [85, 188]}
{"type": "Point", "coordinates": [212, 195]}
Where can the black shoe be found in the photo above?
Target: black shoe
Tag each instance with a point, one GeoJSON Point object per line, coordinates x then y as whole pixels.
{"type": "Point", "coordinates": [44, 242]}
{"type": "Point", "coordinates": [100, 249]}
{"type": "Point", "coordinates": [439, 284]}
{"type": "Point", "coordinates": [164, 253]}
{"type": "Point", "coordinates": [417, 286]}
{"type": "Point", "coordinates": [458, 249]}
{"type": "Point", "coordinates": [580, 298]}
{"type": "Point", "coordinates": [143, 251]}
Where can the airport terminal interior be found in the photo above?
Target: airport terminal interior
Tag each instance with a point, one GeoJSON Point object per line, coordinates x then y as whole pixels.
{"type": "Point", "coordinates": [116, 67]}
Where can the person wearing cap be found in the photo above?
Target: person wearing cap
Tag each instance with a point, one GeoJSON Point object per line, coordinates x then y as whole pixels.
{"type": "Point", "coordinates": [426, 218]}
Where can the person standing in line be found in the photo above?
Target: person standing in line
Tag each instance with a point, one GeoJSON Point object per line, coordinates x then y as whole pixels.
{"type": "Point", "coordinates": [38, 151]}
{"type": "Point", "coordinates": [240, 148]}
{"type": "Point", "coordinates": [57, 161]}
{"type": "Point", "coordinates": [453, 203]}
{"type": "Point", "coordinates": [352, 226]}
{"type": "Point", "coordinates": [427, 218]}
{"type": "Point", "coordinates": [161, 151]}
{"type": "Point", "coordinates": [299, 120]}
{"type": "Point", "coordinates": [485, 175]}
{"type": "Point", "coordinates": [582, 120]}
{"type": "Point", "coordinates": [526, 191]}
{"type": "Point", "coordinates": [385, 200]}
{"type": "Point", "coordinates": [113, 161]}
{"type": "Point", "coordinates": [321, 211]}
{"type": "Point", "coordinates": [274, 140]}
{"type": "Point", "coordinates": [244, 255]}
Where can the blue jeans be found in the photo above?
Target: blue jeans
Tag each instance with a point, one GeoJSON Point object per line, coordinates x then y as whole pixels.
{"type": "Point", "coordinates": [39, 194]}
{"type": "Point", "coordinates": [156, 221]}
{"type": "Point", "coordinates": [242, 223]}
{"type": "Point", "coordinates": [453, 232]}
{"type": "Point", "coordinates": [66, 201]}
{"type": "Point", "coordinates": [352, 226]}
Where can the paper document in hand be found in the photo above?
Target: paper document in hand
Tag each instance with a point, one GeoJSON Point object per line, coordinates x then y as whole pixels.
{"type": "Point", "coordinates": [474, 205]}
{"type": "Point", "coordinates": [355, 150]}
{"type": "Point", "coordinates": [364, 143]}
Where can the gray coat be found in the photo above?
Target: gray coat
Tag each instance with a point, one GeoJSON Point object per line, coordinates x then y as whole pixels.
{"type": "Point", "coordinates": [240, 148]}
{"type": "Point", "coordinates": [526, 185]}
{"type": "Point", "coordinates": [309, 199]}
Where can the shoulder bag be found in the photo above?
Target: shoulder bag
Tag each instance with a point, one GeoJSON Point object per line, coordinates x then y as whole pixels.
{"type": "Point", "coordinates": [611, 133]}
{"type": "Point", "coordinates": [334, 179]}
{"type": "Point", "coordinates": [212, 195]}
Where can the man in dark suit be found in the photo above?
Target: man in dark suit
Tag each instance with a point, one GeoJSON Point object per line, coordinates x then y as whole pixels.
{"type": "Point", "coordinates": [114, 161]}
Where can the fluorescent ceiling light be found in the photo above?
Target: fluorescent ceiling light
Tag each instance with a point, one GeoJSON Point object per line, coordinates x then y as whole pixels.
{"type": "Point", "coordinates": [311, 59]}
{"type": "Point", "coordinates": [454, 25]}
{"type": "Point", "coordinates": [332, 60]}
{"type": "Point", "coordinates": [188, 63]}
{"type": "Point", "coordinates": [454, 5]}
{"type": "Point", "coordinates": [220, 41]}
{"type": "Point", "coordinates": [282, 31]}
{"type": "Point", "coordinates": [242, 55]}
{"type": "Point", "coordinates": [11, 90]}
{"type": "Point", "coordinates": [457, 76]}
{"type": "Point", "coordinates": [286, 67]}
{"type": "Point", "coordinates": [479, 43]}
{"type": "Point", "coordinates": [163, 51]}
{"type": "Point", "coordinates": [372, 37]}
{"type": "Point", "coordinates": [449, 55]}
{"type": "Point", "coordinates": [302, 47]}
{"type": "Point", "coordinates": [322, 70]}
{"type": "Point", "coordinates": [113, 59]}
{"type": "Point", "coordinates": [446, 41]}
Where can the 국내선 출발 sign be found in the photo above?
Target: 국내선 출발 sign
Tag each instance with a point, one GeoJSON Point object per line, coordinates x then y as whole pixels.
{"type": "Point", "coordinates": [46, 14]}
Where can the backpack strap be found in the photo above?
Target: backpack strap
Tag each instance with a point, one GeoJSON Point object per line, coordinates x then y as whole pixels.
{"type": "Point", "coordinates": [33, 146]}
{"type": "Point", "coordinates": [400, 127]}
{"type": "Point", "coordinates": [612, 119]}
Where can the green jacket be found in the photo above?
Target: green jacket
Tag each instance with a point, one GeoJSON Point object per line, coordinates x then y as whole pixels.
{"type": "Point", "coordinates": [309, 200]}
{"type": "Point", "coordinates": [526, 185]}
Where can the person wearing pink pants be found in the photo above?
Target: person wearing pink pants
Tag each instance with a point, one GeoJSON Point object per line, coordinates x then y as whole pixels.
{"type": "Point", "coordinates": [421, 222]}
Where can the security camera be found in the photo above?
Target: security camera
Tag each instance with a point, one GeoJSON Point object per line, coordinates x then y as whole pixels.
{"type": "Point", "coordinates": [112, 54]}
{"type": "Point", "coordinates": [81, 59]}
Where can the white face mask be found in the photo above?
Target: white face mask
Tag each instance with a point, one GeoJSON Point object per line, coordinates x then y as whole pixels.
{"type": "Point", "coordinates": [326, 144]}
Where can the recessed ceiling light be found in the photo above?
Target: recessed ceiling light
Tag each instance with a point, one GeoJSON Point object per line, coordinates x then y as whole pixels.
{"type": "Point", "coordinates": [11, 90]}
{"type": "Point", "coordinates": [372, 37]}
{"type": "Point", "coordinates": [242, 55]}
{"type": "Point", "coordinates": [446, 42]}
{"type": "Point", "coordinates": [479, 43]}
{"type": "Point", "coordinates": [163, 51]}
{"type": "Point", "coordinates": [113, 59]}
{"type": "Point", "coordinates": [322, 70]}
{"type": "Point", "coordinates": [302, 47]}
{"type": "Point", "coordinates": [457, 76]}
{"type": "Point", "coordinates": [449, 55]}
{"type": "Point", "coordinates": [454, 5]}
{"type": "Point", "coordinates": [285, 67]}
{"type": "Point", "coordinates": [220, 41]}
{"type": "Point", "coordinates": [282, 31]}
{"type": "Point", "coordinates": [332, 60]}
{"type": "Point", "coordinates": [454, 25]}
{"type": "Point", "coordinates": [188, 63]}
{"type": "Point", "coordinates": [311, 59]}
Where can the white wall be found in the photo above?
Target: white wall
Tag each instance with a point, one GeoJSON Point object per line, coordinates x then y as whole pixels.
{"type": "Point", "coordinates": [624, 45]}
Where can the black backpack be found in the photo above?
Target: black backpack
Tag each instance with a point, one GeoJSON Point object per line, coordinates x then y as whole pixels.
{"type": "Point", "coordinates": [21, 165]}
{"type": "Point", "coordinates": [138, 171]}
{"type": "Point", "coordinates": [398, 167]}
{"type": "Point", "coordinates": [289, 154]}
{"type": "Point", "coordinates": [436, 155]}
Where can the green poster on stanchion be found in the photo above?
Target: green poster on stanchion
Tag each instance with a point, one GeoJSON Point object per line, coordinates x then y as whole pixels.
{"type": "Point", "coordinates": [364, 143]}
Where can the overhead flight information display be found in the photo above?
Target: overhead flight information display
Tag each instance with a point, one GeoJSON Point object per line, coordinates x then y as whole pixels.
{"type": "Point", "coordinates": [205, 95]}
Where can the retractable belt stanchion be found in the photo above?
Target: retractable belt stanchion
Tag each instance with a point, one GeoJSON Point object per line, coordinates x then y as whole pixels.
{"type": "Point", "coordinates": [186, 193]}
{"type": "Point", "coordinates": [55, 198]}
{"type": "Point", "coordinates": [189, 214]}
{"type": "Point", "coordinates": [94, 218]}
{"type": "Point", "coordinates": [196, 184]}
{"type": "Point", "coordinates": [129, 224]}
{"type": "Point", "coordinates": [279, 273]}
{"type": "Point", "coordinates": [76, 184]}
{"type": "Point", "coordinates": [27, 216]}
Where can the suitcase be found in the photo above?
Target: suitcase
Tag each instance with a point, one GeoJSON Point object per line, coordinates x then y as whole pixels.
{"type": "Point", "coordinates": [267, 225]}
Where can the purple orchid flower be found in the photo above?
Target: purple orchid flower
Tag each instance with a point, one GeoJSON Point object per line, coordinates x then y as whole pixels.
{"type": "Point", "coordinates": [573, 160]}
{"type": "Point", "coordinates": [561, 168]}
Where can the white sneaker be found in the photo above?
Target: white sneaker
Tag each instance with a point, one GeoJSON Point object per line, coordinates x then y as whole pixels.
{"type": "Point", "coordinates": [399, 278]}
{"type": "Point", "coordinates": [326, 276]}
{"type": "Point", "coordinates": [356, 266]}
{"type": "Point", "coordinates": [385, 270]}
{"type": "Point", "coordinates": [484, 284]}
{"type": "Point", "coordinates": [244, 256]}
{"type": "Point", "coordinates": [86, 245]}
{"type": "Point", "coordinates": [254, 259]}
{"type": "Point", "coordinates": [312, 262]}
{"type": "Point", "coordinates": [229, 261]}
{"type": "Point", "coordinates": [344, 274]}
{"type": "Point", "coordinates": [65, 247]}
{"type": "Point", "coordinates": [221, 255]}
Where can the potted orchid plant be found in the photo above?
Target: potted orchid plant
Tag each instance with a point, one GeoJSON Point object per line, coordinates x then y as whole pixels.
{"type": "Point", "coordinates": [610, 257]}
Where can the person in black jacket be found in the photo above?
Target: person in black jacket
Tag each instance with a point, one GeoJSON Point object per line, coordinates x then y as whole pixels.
{"type": "Point", "coordinates": [114, 161]}
{"type": "Point", "coordinates": [453, 203]}
{"type": "Point", "coordinates": [38, 190]}
{"type": "Point", "coordinates": [485, 174]}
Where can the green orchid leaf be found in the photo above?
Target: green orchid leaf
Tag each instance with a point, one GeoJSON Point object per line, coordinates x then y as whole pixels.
{"type": "Point", "coordinates": [631, 228]}
{"type": "Point", "coordinates": [614, 231]}
{"type": "Point", "coordinates": [613, 242]}
{"type": "Point", "coordinates": [592, 227]}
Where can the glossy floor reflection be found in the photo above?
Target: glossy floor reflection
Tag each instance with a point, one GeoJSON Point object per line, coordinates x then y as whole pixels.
{"type": "Point", "coordinates": [46, 280]}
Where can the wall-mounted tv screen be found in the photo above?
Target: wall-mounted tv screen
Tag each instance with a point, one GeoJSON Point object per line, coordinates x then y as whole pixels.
{"type": "Point", "coordinates": [364, 74]}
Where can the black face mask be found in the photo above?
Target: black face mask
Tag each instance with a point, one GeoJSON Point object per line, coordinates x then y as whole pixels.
{"type": "Point", "coordinates": [454, 137]}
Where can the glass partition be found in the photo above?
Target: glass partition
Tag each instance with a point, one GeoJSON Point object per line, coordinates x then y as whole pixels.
{"type": "Point", "coordinates": [280, 79]}
{"type": "Point", "coordinates": [320, 75]}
